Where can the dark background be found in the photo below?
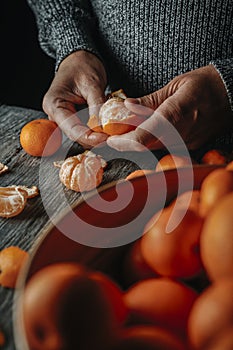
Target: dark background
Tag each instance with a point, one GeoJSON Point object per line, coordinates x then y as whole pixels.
{"type": "Point", "coordinates": [25, 70]}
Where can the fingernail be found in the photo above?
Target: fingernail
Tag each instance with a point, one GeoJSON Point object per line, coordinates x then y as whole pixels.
{"type": "Point", "coordinates": [132, 100]}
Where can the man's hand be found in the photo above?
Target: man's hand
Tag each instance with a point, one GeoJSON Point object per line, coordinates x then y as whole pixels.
{"type": "Point", "coordinates": [80, 79]}
{"type": "Point", "coordinates": [194, 103]}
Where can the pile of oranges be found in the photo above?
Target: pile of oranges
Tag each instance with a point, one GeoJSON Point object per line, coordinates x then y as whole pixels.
{"type": "Point", "coordinates": [173, 292]}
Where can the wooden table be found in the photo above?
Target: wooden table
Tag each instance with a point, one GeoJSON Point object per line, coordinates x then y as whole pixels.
{"type": "Point", "coordinates": [23, 229]}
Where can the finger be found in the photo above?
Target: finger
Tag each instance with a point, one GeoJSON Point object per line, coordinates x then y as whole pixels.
{"type": "Point", "coordinates": [154, 133]}
{"type": "Point", "coordinates": [69, 122]}
{"type": "Point", "coordinates": [133, 104]}
{"type": "Point", "coordinates": [95, 99]}
{"type": "Point", "coordinates": [141, 139]}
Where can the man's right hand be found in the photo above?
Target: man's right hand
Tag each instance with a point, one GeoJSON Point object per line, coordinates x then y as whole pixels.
{"type": "Point", "coordinates": [80, 79]}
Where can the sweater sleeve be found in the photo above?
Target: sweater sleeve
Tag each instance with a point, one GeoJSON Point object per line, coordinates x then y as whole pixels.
{"type": "Point", "coordinates": [64, 26]}
{"type": "Point", "coordinates": [225, 69]}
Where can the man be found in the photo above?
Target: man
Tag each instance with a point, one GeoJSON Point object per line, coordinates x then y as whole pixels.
{"type": "Point", "coordinates": [177, 55]}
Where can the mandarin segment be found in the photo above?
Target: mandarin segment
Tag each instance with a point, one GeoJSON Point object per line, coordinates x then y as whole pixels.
{"type": "Point", "coordinates": [12, 201]}
{"type": "Point", "coordinates": [11, 261]}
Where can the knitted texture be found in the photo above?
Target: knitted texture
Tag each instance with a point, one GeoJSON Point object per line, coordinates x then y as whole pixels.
{"type": "Point", "coordinates": [143, 43]}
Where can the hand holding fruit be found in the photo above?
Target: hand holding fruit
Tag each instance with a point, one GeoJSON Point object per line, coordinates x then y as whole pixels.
{"type": "Point", "coordinates": [195, 103]}
{"type": "Point", "coordinates": [80, 79]}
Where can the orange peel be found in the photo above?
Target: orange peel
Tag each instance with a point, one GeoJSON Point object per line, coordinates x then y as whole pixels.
{"type": "Point", "coordinates": [3, 168]}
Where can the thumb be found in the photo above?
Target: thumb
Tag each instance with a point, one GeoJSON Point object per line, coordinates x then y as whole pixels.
{"type": "Point", "coordinates": [95, 99]}
{"type": "Point", "coordinates": [147, 104]}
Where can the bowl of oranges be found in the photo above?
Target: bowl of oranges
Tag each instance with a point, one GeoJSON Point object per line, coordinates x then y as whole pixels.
{"type": "Point", "coordinates": [155, 273]}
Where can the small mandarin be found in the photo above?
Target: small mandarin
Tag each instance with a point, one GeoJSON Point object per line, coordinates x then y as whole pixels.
{"type": "Point", "coordinates": [214, 156]}
{"type": "Point", "coordinates": [11, 261]}
{"type": "Point", "coordinates": [216, 185]}
{"type": "Point", "coordinates": [41, 138]}
{"type": "Point", "coordinates": [216, 242]}
{"type": "Point", "coordinates": [211, 313]}
{"type": "Point", "coordinates": [173, 161]}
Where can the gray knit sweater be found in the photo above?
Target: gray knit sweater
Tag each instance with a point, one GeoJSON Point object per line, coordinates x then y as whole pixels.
{"type": "Point", "coordinates": [143, 43]}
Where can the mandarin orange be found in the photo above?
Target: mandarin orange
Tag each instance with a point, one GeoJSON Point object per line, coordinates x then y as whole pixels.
{"type": "Point", "coordinates": [41, 137]}
{"type": "Point", "coordinates": [172, 161]}
{"type": "Point", "coordinates": [216, 242]}
{"type": "Point", "coordinates": [214, 156]}
{"type": "Point", "coordinates": [216, 185]}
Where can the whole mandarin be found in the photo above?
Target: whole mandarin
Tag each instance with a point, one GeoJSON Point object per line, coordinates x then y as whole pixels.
{"type": "Point", "coordinates": [173, 161]}
{"type": "Point", "coordinates": [173, 253]}
{"type": "Point", "coordinates": [216, 185]}
{"type": "Point", "coordinates": [41, 138]}
{"type": "Point", "coordinates": [214, 156]}
{"type": "Point", "coordinates": [161, 302]}
{"type": "Point", "coordinates": [212, 312]}
{"type": "Point", "coordinates": [216, 241]}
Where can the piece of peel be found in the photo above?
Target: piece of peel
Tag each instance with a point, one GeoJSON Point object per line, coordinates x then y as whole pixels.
{"type": "Point", "coordinates": [31, 191]}
{"type": "Point", "coordinates": [94, 123]}
{"type": "Point", "coordinates": [3, 168]}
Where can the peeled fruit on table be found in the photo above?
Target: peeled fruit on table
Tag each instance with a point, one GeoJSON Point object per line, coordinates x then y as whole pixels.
{"type": "Point", "coordinates": [147, 338]}
{"type": "Point", "coordinates": [12, 201]}
{"type": "Point", "coordinates": [175, 253]}
{"type": "Point", "coordinates": [14, 198]}
{"type": "Point", "coordinates": [114, 118]}
{"type": "Point", "coordinates": [67, 306]}
{"type": "Point", "coordinates": [82, 172]}
{"type": "Point", "coordinates": [161, 302]}
{"type": "Point", "coordinates": [216, 185]}
{"type": "Point", "coordinates": [211, 314]}
{"type": "Point", "coordinates": [216, 241]}
{"type": "Point", "coordinates": [11, 260]}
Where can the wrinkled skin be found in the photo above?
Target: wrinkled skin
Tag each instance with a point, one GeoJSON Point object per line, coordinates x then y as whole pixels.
{"type": "Point", "coordinates": [80, 79]}
{"type": "Point", "coordinates": [195, 103]}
